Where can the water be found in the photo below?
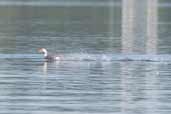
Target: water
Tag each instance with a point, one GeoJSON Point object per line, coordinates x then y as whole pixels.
{"type": "Point", "coordinates": [95, 76]}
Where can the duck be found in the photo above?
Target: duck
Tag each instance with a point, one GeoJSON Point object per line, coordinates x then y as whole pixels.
{"type": "Point", "coordinates": [47, 56]}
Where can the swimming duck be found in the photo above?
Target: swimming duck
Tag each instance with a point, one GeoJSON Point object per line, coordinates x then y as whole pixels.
{"type": "Point", "coordinates": [49, 57]}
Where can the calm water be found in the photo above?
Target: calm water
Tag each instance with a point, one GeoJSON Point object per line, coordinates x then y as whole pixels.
{"type": "Point", "coordinates": [102, 84]}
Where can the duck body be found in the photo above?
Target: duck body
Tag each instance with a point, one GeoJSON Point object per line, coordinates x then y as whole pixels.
{"type": "Point", "coordinates": [52, 58]}
{"type": "Point", "coordinates": [49, 57]}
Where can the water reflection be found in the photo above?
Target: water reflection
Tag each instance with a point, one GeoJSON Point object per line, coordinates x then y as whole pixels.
{"type": "Point", "coordinates": [152, 26]}
{"type": "Point", "coordinates": [142, 93]}
{"type": "Point", "coordinates": [47, 65]}
{"type": "Point", "coordinates": [139, 26]}
{"type": "Point", "coordinates": [67, 87]}
{"type": "Point", "coordinates": [84, 86]}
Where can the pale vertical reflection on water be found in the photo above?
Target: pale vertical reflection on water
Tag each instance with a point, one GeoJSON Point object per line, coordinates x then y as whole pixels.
{"type": "Point", "coordinates": [144, 90]}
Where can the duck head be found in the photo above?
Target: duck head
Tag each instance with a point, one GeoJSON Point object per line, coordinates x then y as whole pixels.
{"type": "Point", "coordinates": [44, 51]}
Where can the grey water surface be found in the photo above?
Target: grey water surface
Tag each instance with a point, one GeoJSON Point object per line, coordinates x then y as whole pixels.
{"type": "Point", "coordinates": [96, 77]}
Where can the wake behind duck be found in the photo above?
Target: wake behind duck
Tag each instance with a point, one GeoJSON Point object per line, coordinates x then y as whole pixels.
{"type": "Point", "coordinates": [104, 57]}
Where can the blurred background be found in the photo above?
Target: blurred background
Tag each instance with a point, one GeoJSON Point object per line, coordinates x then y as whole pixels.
{"type": "Point", "coordinates": [68, 26]}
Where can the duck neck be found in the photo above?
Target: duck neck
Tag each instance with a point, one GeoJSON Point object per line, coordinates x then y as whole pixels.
{"type": "Point", "coordinates": [45, 53]}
